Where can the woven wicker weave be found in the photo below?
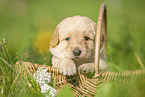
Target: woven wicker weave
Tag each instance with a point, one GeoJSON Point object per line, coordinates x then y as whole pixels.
{"type": "Point", "coordinates": [85, 85]}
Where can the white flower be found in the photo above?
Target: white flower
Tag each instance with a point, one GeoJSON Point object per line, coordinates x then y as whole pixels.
{"type": "Point", "coordinates": [52, 92]}
{"type": "Point", "coordinates": [45, 88]}
{"type": "Point", "coordinates": [42, 77]}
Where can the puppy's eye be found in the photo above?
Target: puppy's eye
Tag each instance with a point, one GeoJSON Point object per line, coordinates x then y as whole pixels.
{"type": "Point", "coordinates": [86, 38]}
{"type": "Point", "coordinates": [67, 39]}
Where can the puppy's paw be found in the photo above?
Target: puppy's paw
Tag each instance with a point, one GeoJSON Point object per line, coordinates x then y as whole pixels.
{"type": "Point", "coordinates": [103, 65]}
{"type": "Point", "coordinates": [67, 67]}
{"type": "Point", "coordinates": [87, 67]}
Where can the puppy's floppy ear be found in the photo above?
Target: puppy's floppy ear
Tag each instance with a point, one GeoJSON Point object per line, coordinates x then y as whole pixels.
{"type": "Point", "coordinates": [55, 39]}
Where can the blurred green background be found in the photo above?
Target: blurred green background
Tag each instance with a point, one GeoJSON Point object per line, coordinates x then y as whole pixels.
{"type": "Point", "coordinates": [27, 26]}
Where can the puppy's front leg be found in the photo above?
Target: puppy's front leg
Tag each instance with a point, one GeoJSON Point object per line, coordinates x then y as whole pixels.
{"type": "Point", "coordinates": [89, 67]}
{"type": "Point", "coordinates": [66, 66]}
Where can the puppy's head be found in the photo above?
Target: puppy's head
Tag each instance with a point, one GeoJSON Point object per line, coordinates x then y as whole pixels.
{"type": "Point", "coordinates": [74, 38]}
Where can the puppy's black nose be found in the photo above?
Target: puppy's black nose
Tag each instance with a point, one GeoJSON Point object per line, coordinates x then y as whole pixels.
{"type": "Point", "coordinates": [77, 52]}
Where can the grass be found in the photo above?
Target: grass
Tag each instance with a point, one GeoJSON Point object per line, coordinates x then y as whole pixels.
{"type": "Point", "coordinates": [15, 81]}
{"type": "Point", "coordinates": [22, 22]}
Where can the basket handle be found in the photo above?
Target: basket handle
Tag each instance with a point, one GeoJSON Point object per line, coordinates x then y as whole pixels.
{"type": "Point", "coordinates": [101, 26]}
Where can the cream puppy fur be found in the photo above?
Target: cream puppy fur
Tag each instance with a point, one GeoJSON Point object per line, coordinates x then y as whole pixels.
{"type": "Point", "coordinates": [72, 46]}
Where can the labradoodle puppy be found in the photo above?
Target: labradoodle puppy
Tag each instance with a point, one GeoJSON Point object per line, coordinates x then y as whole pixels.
{"type": "Point", "coordinates": [72, 46]}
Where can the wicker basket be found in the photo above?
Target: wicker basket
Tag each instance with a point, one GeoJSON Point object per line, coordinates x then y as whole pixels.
{"type": "Point", "coordinates": [85, 85]}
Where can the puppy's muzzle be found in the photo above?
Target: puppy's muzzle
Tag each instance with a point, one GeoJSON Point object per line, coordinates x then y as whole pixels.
{"type": "Point", "coordinates": [77, 52]}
